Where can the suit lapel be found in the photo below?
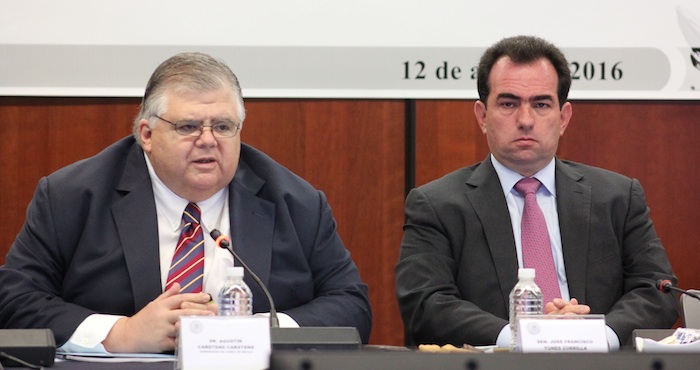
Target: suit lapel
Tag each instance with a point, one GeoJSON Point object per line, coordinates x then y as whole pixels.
{"type": "Point", "coordinates": [137, 226]}
{"type": "Point", "coordinates": [574, 208]}
{"type": "Point", "coordinates": [252, 223]}
{"type": "Point", "coordinates": [486, 197]}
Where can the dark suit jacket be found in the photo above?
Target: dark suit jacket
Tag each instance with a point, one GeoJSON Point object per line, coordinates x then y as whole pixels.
{"type": "Point", "coordinates": [90, 245]}
{"type": "Point", "coordinates": [458, 261]}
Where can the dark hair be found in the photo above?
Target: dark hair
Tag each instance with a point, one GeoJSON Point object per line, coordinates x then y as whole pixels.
{"type": "Point", "coordinates": [195, 72]}
{"type": "Point", "coordinates": [523, 50]}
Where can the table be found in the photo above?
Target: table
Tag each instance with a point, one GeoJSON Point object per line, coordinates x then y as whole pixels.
{"type": "Point", "coordinates": [373, 360]}
{"type": "Point", "coordinates": [377, 360]}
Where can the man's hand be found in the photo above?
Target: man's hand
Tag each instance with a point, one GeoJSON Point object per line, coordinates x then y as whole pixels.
{"type": "Point", "coordinates": [154, 329]}
{"type": "Point", "coordinates": [559, 306]}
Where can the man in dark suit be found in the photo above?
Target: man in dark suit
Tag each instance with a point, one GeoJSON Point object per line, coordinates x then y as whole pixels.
{"type": "Point", "coordinates": [92, 259]}
{"type": "Point", "coordinates": [462, 245]}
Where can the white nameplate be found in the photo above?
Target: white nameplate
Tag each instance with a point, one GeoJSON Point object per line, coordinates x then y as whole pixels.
{"type": "Point", "coordinates": [563, 333]}
{"type": "Point", "coordinates": [220, 342]}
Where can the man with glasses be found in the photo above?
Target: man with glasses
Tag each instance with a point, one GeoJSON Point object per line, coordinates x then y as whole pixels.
{"type": "Point", "coordinates": [98, 259]}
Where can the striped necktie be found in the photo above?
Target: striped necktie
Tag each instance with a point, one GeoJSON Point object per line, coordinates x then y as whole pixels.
{"type": "Point", "coordinates": [536, 247]}
{"type": "Point", "coordinates": [187, 267]}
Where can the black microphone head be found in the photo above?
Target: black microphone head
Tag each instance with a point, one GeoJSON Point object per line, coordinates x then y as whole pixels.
{"type": "Point", "coordinates": [664, 285]}
{"type": "Point", "coordinates": [216, 233]}
{"type": "Point", "coordinates": [220, 240]}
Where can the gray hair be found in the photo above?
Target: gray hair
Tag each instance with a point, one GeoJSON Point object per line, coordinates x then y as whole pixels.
{"type": "Point", "coordinates": [195, 72]}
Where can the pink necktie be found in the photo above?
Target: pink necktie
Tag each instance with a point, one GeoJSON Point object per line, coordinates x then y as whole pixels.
{"type": "Point", "coordinates": [536, 248]}
{"type": "Point", "coordinates": [187, 267]}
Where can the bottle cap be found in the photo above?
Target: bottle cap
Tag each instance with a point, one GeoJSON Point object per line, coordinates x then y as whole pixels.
{"type": "Point", "coordinates": [526, 273]}
{"type": "Point", "coordinates": [236, 272]}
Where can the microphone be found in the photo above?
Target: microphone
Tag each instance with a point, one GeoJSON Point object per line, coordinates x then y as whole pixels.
{"type": "Point", "coordinates": [667, 286]}
{"type": "Point", "coordinates": [225, 243]}
{"type": "Point", "coordinates": [331, 338]}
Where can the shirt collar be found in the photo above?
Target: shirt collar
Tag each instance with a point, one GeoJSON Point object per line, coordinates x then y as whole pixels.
{"type": "Point", "coordinates": [509, 177]}
{"type": "Point", "coordinates": [170, 205]}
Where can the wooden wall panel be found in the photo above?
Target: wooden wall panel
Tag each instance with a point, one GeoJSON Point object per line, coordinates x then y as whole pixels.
{"type": "Point", "coordinates": [350, 149]}
{"type": "Point", "coordinates": [46, 134]}
{"type": "Point", "coordinates": [354, 152]}
{"type": "Point", "coordinates": [655, 142]}
{"type": "Point", "coordinates": [447, 138]}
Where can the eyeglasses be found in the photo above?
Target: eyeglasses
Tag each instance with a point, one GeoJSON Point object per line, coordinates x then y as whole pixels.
{"type": "Point", "coordinates": [219, 128]}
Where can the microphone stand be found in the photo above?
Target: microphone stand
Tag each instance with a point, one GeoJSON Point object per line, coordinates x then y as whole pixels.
{"type": "Point", "coordinates": [295, 338]}
{"type": "Point", "coordinates": [667, 286]}
{"type": "Point", "coordinates": [223, 242]}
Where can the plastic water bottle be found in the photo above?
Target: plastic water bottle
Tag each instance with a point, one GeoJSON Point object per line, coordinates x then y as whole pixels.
{"type": "Point", "coordinates": [235, 298]}
{"type": "Point", "coordinates": [525, 299]}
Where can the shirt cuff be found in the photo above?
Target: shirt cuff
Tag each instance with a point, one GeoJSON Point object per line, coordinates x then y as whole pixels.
{"type": "Point", "coordinates": [613, 340]}
{"type": "Point", "coordinates": [503, 340]}
{"type": "Point", "coordinates": [89, 335]}
{"type": "Point", "coordinates": [285, 320]}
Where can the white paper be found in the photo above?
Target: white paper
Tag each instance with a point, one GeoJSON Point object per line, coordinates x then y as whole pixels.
{"type": "Point", "coordinates": [115, 357]}
{"type": "Point", "coordinates": [650, 345]}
